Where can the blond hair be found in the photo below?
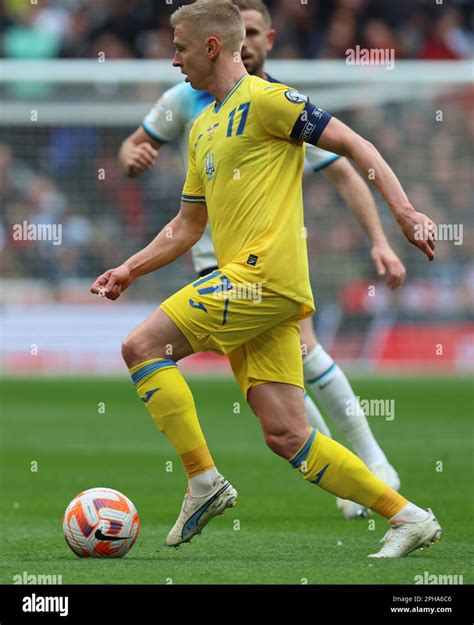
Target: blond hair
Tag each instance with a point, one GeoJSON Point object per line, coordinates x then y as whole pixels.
{"type": "Point", "coordinates": [213, 17]}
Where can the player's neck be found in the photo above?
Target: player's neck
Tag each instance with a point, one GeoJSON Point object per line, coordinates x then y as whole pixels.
{"type": "Point", "coordinates": [261, 73]}
{"type": "Point", "coordinates": [225, 79]}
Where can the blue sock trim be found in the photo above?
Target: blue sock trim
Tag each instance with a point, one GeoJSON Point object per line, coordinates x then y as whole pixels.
{"type": "Point", "coordinates": [322, 374]}
{"type": "Point", "coordinates": [151, 367]}
{"type": "Point", "coordinates": [320, 474]}
{"type": "Point", "coordinates": [303, 454]}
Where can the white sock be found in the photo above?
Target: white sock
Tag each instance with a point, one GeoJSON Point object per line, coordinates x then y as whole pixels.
{"type": "Point", "coordinates": [315, 418]}
{"type": "Point", "coordinates": [333, 391]}
{"type": "Point", "coordinates": [410, 513]}
{"type": "Point", "coordinates": [203, 483]}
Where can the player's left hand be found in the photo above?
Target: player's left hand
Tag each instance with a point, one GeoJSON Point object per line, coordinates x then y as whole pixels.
{"type": "Point", "coordinates": [387, 263]}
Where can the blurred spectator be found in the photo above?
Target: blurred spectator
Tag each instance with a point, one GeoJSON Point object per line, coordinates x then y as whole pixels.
{"type": "Point", "coordinates": [450, 39]}
{"type": "Point", "coordinates": [47, 202]}
{"type": "Point", "coordinates": [377, 34]}
{"type": "Point", "coordinates": [52, 18]}
{"type": "Point", "coordinates": [339, 35]}
{"type": "Point", "coordinates": [111, 46]}
{"type": "Point", "coordinates": [14, 176]}
{"type": "Point", "coordinates": [77, 43]}
{"type": "Point", "coordinates": [26, 39]}
{"type": "Point", "coordinates": [156, 44]}
{"type": "Point", "coordinates": [317, 29]}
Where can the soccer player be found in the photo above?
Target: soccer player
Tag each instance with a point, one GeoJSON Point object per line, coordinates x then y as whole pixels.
{"type": "Point", "coordinates": [256, 218]}
{"type": "Point", "coordinates": [172, 118]}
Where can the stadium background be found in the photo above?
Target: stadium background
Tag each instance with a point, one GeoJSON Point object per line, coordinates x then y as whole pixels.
{"type": "Point", "coordinates": [50, 174]}
{"type": "Point", "coordinates": [84, 429]}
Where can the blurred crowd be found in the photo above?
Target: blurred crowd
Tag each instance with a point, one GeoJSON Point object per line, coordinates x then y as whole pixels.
{"type": "Point", "coordinates": [70, 176]}
{"type": "Point", "coordinates": [126, 29]}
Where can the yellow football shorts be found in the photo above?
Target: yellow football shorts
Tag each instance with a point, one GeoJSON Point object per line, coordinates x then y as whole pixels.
{"type": "Point", "coordinates": [256, 328]}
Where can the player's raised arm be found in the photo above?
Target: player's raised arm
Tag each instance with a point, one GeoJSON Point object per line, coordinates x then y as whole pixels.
{"type": "Point", "coordinates": [331, 134]}
{"type": "Point", "coordinates": [173, 241]}
{"type": "Point", "coordinates": [163, 123]}
{"type": "Point", "coordinates": [355, 192]}
{"type": "Point", "coordinates": [138, 153]}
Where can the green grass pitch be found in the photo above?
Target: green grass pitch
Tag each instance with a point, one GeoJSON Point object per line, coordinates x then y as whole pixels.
{"type": "Point", "coordinates": [282, 530]}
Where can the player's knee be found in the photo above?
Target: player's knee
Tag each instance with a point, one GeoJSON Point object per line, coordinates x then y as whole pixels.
{"type": "Point", "coordinates": [130, 351]}
{"type": "Point", "coordinates": [135, 349]}
{"type": "Point", "coordinates": [140, 346]}
{"type": "Point", "coordinates": [283, 443]}
{"type": "Point", "coordinates": [274, 442]}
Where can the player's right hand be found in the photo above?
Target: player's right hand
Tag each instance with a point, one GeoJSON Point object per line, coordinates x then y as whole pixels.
{"type": "Point", "coordinates": [112, 283]}
{"type": "Point", "coordinates": [420, 230]}
{"type": "Point", "coordinates": [140, 158]}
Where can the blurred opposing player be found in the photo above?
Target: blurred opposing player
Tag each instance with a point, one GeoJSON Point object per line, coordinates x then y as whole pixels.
{"type": "Point", "coordinates": [256, 219]}
{"type": "Point", "coordinates": [171, 118]}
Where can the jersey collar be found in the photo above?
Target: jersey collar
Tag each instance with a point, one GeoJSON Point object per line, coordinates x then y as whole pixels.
{"type": "Point", "coordinates": [270, 78]}
{"type": "Point", "coordinates": [218, 106]}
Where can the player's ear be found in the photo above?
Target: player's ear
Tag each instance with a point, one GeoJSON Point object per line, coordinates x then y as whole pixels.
{"type": "Point", "coordinates": [212, 47]}
{"type": "Point", "coordinates": [271, 34]}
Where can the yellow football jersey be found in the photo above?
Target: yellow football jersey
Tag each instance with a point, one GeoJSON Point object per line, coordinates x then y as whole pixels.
{"type": "Point", "coordinates": [248, 169]}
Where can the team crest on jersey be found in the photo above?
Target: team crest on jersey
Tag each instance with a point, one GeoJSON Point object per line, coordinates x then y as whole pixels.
{"type": "Point", "coordinates": [210, 168]}
{"type": "Point", "coordinates": [295, 97]}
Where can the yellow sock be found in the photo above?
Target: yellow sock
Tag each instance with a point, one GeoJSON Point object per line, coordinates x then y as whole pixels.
{"type": "Point", "coordinates": [328, 464]}
{"type": "Point", "coordinates": [170, 403]}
